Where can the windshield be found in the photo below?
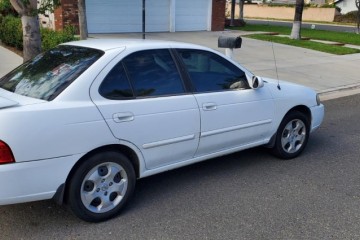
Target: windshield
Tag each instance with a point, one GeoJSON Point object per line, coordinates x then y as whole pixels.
{"type": "Point", "coordinates": [48, 74]}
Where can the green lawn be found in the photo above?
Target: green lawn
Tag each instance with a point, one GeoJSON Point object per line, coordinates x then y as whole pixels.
{"type": "Point", "coordinates": [342, 37]}
{"type": "Point", "coordinates": [339, 50]}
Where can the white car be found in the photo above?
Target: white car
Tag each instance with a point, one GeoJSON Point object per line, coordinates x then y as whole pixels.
{"type": "Point", "coordinates": [81, 122]}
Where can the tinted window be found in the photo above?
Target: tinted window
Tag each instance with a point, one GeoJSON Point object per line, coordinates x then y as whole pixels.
{"type": "Point", "coordinates": [48, 74]}
{"type": "Point", "coordinates": [210, 72]}
{"type": "Point", "coordinates": [116, 84]}
{"type": "Point", "coordinates": [153, 73]}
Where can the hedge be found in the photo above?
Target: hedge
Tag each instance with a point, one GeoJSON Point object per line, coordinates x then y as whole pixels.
{"type": "Point", "coordinates": [11, 31]}
{"type": "Point", "coordinates": [11, 34]}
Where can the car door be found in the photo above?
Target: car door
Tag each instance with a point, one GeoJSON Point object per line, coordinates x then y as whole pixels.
{"type": "Point", "coordinates": [232, 114]}
{"type": "Point", "coordinates": [144, 101]}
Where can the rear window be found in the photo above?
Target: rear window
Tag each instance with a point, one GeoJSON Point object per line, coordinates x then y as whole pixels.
{"type": "Point", "coordinates": [48, 74]}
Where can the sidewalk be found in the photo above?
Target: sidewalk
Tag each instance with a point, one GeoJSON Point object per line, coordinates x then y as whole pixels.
{"type": "Point", "coordinates": [8, 61]}
{"type": "Point", "coordinates": [321, 71]}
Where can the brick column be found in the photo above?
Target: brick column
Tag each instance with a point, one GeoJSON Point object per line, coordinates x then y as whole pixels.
{"type": "Point", "coordinates": [218, 15]}
{"type": "Point", "coordinates": [67, 14]}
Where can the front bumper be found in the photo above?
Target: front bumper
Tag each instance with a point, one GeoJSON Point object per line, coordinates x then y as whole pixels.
{"type": "Point", "coordinates": [35, 180]}
{"type": "Point", "coordinates": [317, 114]}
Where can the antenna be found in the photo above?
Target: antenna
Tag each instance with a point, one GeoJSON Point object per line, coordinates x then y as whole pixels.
{"type": "Point", "coordinates": [277, 75]}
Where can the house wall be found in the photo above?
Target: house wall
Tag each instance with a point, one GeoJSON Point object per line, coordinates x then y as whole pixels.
{"type": "Point", "coordinates": [67, 14]}
{"type": "Point", "coordinates": [286, 13]}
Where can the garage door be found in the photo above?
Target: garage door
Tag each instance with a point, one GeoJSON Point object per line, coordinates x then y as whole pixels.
{"type": "Point", "coordinates": [114, 16]}
{"type": "Point", "coordinates": [192, 15]}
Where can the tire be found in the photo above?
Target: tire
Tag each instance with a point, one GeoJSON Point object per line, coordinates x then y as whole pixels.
{"type": "Point", "coordinates": [101, 186]}
{"type": "Point", "coordinates": [292, 135]}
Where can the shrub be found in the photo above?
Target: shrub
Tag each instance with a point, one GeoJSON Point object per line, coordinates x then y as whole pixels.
{"type": "Point", "coordinates": [11, 31]}
{"type": "Point", "coordinates": [350, 17]}
{"type": "Point", "coordinates": [51, 38]}
{"type": "Point", "coordinates": [6, 8]}
{"type": "Point", "coordinates": [11, 34]}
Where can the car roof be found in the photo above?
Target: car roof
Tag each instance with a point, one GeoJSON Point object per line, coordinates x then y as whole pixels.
{"type": "Point", "coordinates": [107, 44]}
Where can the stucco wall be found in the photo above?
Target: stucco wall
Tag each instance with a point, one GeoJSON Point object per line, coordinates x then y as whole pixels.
{"type": "Point", "coordinates": [286, 13]}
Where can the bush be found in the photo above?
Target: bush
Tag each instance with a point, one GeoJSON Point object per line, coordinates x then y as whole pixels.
{"type": "Point", "coordinates": [350, 17]}
{"type": "Point", "coordinates": [51, 38]}
{"type": "Point", "coordinates": [11, 31]}
{"type": "Point", "coordinates": [6, 8]}
{"type": "Point", "coordinates": [11, 34]}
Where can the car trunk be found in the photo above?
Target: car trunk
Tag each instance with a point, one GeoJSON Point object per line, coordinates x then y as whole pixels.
{"type": "Point", "coordinates": [9, 99]}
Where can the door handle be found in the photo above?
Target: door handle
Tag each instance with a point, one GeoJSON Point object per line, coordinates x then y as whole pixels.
{"type": "Point", "coordinates": [209, 106]}
{"type": "Point", "coordinates": [123, 117]}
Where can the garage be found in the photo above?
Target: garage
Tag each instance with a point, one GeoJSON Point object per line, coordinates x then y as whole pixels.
{"type": "Point", "coordinates": [192, 15]}
{"type": "Point", "coordinates": [114, 16]}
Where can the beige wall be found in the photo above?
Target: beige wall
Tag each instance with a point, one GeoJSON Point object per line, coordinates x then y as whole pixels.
{"type": "Point", "coordinates": [286, 13]}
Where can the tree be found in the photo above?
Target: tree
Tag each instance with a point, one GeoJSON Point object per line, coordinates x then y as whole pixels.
{"type": "Point", "coordinates": [232, 14]}
{"type": "Point", "coordinates": [29, 10]}
{"type": "Point", "coordinates": [82, 19]}
{"type": "Point", "coordinates": [296, 28]}
{"type": "Point", "coordinates": [241, 13]}
{"type": "Point", "coordinates": [357, 3]}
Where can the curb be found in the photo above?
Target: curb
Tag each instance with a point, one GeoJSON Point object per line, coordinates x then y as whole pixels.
{"type": "Point", "coordinates": [338, 92]}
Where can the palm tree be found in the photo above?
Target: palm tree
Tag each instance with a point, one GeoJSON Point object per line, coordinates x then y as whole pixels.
{"type": "Point", "coordinates": [241, 13]}
{"type": "Point", "coordinates": [296, 28]}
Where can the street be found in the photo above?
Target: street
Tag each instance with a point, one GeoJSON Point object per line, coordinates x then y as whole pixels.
{"type": "Point", "coordinates": [247, 195]}
{"type": "Point", "coordinates": [318, 26]}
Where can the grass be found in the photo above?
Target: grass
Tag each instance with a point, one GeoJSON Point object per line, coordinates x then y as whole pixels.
{"type": "Point", "coordinates": [341, 37]}
{"type": "Point", "coordinates": [339, 50]}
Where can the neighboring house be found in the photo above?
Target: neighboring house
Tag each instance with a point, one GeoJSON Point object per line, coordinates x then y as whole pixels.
{"type": "Point", "coordinates": [346, 6]}
{"type": "Point", "coordinates": [46, 20]}
{"type": "Point", "coordinates": [115, 16]}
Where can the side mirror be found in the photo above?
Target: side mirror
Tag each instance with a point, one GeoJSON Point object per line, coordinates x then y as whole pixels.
{"type": "Point", "coordinates": [256, 82]}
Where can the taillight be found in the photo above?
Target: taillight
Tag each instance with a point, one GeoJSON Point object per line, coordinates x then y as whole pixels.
{"type": "Point", "coordinates": [6, 155]}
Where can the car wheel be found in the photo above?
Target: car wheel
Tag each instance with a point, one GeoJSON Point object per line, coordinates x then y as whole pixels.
{"type": "Point", "coordinates": [101, 186]}
{"type": "Point", "coordinates": [292, 135]}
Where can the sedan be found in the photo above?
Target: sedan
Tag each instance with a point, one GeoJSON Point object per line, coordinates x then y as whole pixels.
{"type": "Point", "coordinates": [82, 122]}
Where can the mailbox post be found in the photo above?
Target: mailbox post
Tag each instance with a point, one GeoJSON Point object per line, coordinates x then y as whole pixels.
{"type": "Point", "coordinates": [229, 43]}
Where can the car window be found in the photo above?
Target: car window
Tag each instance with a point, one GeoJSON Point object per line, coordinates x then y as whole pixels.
{"type": "Point", "coordinates": [48, 74]}
{"type": "Point", "coordinates": [153, 73]}
{"type": "Point", "coordinates": [210, 72]}
{"type": "Point", "coordinates": [116, 84]}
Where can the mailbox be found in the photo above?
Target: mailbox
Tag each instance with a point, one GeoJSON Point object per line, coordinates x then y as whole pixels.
{"type": "Point", "coordinates": [229, 42]}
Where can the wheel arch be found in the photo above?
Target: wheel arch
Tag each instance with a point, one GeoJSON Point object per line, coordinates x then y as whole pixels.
{"type": "Point", "coordinates": [300, 108]}
{"type": "Point", "coordinates": [61, 193]}
{"type": "Point", "coordinates": [303, 109]}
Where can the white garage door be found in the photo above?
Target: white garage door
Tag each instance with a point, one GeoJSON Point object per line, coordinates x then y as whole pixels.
{"type": "Point", "coordinates": [114, 16]}
{"type": "Point", "coordinates": [192, 15]}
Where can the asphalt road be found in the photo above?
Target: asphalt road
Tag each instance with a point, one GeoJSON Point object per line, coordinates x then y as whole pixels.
{"type": "Point", "coordinates": [247, 195]}
{"type": "Point", "coordinates": [319, 26]}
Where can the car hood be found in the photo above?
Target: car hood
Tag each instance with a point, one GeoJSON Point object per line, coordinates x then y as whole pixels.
{"type": "Point", "coordinates": [291, 91]}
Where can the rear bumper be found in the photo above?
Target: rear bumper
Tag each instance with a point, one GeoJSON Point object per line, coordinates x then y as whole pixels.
{"type": "Point", "coordinates": [35, 180]}
{"type": "Point", "coordinates": [317, 114]}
